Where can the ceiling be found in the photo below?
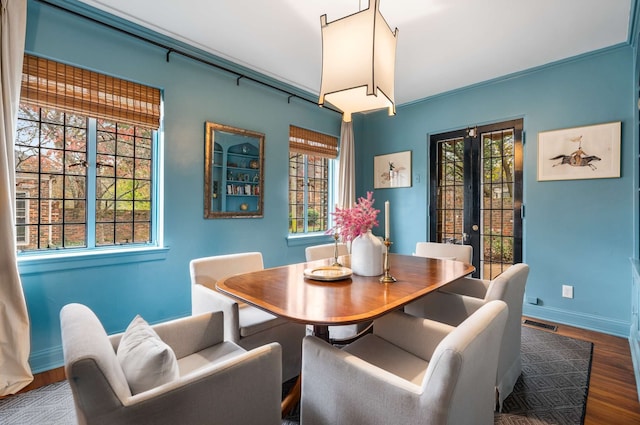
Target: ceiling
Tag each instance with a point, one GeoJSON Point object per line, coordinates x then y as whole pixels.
{"type": "Point", "coordinates": [442, 44]}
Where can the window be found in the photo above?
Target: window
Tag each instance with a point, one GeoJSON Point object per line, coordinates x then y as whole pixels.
{"type": "Point", "coordinates": [311, 164]}
{"type": "Point", "coordinates": [84, 158]}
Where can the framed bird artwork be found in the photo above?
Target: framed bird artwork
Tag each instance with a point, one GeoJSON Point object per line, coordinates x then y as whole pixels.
{"type": "Point", "coordinates": [588, 152]}
{"type": "Point", "coordinates": [392, 170]}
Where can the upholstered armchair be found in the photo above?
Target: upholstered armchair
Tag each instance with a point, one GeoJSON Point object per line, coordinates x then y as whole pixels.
{"type": "Point", "coordinates": [410, 370]}
{"type": "Point", "coordinates": [445, 251]}
{"type": "Point", "coordinates": [318, 252]}
{"type": "Point", "coordinates": [214, 381]}
{"type": "Point", "coordinates": [247, 326]}
{"type": "Point", "coordinates": [454, 302]}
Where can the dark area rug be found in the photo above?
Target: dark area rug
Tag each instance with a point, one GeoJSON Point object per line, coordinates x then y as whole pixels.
{"type": "Point", "coordinates": [554, 384]}
{"type": "Point", "coordinates": [552, 389]}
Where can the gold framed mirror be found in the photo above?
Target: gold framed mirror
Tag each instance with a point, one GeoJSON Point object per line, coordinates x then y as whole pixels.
{"type": "Point", "coordinates": [233, 172]}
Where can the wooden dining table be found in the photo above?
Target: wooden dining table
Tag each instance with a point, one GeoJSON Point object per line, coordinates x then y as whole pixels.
{"type": "Point", "coordinates": [285, 291]}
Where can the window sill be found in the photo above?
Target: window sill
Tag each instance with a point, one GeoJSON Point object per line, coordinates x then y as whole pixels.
{"type": "Point", "coordinates": [308, 239]}
{"type": "Point", "coordinates": [48, 262]}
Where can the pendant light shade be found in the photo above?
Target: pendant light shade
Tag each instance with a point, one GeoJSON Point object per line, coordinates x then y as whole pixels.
{"type": "Point", "coordinates": [358, 62]}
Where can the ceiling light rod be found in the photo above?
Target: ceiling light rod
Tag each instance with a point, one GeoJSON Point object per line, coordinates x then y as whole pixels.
{"type": "Point", "coordinates": [358, 62]}
{"type": "Point", "coordinates": [182, 53]}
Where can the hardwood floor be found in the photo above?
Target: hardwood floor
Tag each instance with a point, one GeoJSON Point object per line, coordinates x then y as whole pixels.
{"type": "Point", "coordinates": [613, 397]}
{"type": "Point", "coordinates": [42, 379]}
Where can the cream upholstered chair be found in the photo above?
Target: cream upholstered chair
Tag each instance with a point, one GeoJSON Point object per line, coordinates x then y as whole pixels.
{"type": "Point", "coordinates": [410, 370]}
{"type": "Point", "coordinates": [338, 334]}
{"type": "Point", "coordinates": [454, 302]}
{"type": "Point", "coordinates": [445, 250]}
{"type": "Point", "coordinates": [247, 326]}
{"type": "Point", "coordinates": [327, 250]}
{"type": "Point", "coordinates": [215, 377]}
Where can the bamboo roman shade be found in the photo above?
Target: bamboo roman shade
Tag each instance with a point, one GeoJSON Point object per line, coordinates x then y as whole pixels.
{"type": "Point", "coordinates": [312, 143]}
{"type": "Point", "coordinates": [46, 83]}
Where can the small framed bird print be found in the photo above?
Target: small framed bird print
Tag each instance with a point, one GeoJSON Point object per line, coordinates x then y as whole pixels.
{"type": "Point", "coordinates": [392, 170]}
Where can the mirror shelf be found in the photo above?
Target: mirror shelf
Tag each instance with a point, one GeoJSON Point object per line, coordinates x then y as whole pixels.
{"type": "Point", "coordinates": [234, 179]}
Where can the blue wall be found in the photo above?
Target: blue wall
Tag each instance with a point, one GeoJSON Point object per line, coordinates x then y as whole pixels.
{"type": "Point", "coordinates": [575, 232]}
{"type": "Point", "coordinates": [157, 285]}
{"type": "Point", "coordinates": [579, 232]}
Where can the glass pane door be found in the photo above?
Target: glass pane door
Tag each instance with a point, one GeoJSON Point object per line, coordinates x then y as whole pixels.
{"type": "Point", "coordinates": [450, 191]}
{"type": "Point", "coordinates": [476, 193]}
{"type": "Point", "coordinates": [497, 207]}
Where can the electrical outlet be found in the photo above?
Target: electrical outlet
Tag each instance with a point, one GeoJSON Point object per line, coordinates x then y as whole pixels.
{"type": "Point", "coordinates": [567, 291]}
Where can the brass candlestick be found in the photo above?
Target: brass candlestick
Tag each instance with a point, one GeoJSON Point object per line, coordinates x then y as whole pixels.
{"type": "Point", "coordinates": [387, 278]}
{"type": "Point", "coordinates": [336, 236]}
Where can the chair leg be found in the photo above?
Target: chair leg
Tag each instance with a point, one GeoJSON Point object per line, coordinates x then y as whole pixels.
{"type": "Point", "coordinates": [293, 398]}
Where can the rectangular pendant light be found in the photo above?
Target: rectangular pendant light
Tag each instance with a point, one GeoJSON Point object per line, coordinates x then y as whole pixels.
{"type": "Point", "coordinates": [358, 62]}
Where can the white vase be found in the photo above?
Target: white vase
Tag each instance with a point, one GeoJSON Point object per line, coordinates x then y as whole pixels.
{"type": "Point", "coordinates": [366, 255]}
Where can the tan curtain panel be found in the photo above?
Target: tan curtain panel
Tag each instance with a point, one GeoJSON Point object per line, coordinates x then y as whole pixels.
{"type": "Point", "coordinates": [347, 167]}
{"type": "Point", "coordinates": [51, 84]}
{"type": "Point", "coordinates": [15, 344]}
{"type": "Point", "coordinates": [312, 143]}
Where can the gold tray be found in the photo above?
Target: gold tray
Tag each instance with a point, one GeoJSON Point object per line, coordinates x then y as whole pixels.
{"type": "Point", "coordinates": [328, 273]}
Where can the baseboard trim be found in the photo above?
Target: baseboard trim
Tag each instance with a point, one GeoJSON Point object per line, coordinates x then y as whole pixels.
{"type": "Point", "coordinates": [578, 320]}
{"type": "Point", "coordinates": [47, 359]}
{"type": "Point", "coordinates": [634, 346]}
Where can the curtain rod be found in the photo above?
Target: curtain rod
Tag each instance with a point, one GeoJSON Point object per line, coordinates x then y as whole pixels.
{"type": "Point", "coordinates": [170, 50]}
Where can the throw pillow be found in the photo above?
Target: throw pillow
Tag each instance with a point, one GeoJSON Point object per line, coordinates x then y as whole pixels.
{"type": "Point", "coordinates": [145, 359]}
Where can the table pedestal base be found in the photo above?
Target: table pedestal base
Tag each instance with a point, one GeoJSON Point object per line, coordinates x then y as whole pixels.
{"type": "Point", "coordinates": [322, 332]}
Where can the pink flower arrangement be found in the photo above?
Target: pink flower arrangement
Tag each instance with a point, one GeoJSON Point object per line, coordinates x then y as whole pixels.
{"type": "Point", "coordinates": [353, 222]}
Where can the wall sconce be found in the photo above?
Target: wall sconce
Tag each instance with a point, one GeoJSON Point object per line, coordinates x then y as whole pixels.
{"type": "Point", "coordinates": [358, 62]}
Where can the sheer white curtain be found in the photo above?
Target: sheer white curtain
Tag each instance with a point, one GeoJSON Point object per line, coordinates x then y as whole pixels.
{"type": "Point", "coordinates": [15, 344]}
{"type": "Point", "coordinates": [346, 172]}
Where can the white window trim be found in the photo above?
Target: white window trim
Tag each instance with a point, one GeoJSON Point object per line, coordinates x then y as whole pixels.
{"type": "Point", "coordinates": [24, 199]}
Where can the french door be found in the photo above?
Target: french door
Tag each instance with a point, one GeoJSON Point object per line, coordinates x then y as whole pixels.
{"type": "Point", "coordinates": [476, 193]}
